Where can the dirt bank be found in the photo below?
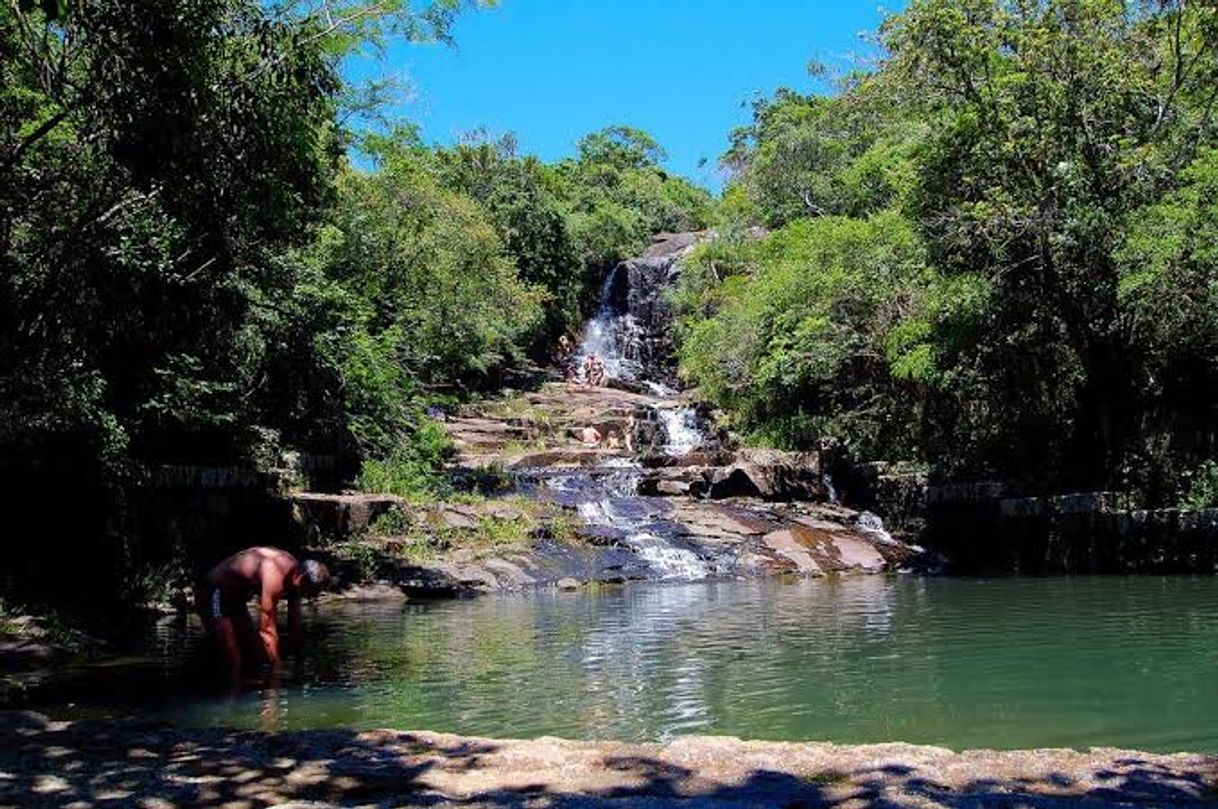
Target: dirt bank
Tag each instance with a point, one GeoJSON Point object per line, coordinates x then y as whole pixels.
{"type": "Point", "coordinates": [131, 763]}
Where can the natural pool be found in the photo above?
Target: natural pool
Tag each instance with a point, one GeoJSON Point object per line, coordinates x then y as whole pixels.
{"type": "Point", "coordinates": [1011, 663]}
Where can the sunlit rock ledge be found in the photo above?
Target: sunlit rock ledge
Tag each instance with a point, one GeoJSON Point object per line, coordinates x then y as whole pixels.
{"type": "Point", "coordinates": [124, 762]}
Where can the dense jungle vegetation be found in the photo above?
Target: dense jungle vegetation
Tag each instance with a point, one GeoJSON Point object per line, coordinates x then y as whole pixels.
{"type": "Point", "coordinates": [994, 255]}
{"type": "Point", "coordinates": [194, 270]}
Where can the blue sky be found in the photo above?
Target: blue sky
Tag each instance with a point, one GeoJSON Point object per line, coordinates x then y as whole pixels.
{"type": "Point", "coordinates": [550, 71]}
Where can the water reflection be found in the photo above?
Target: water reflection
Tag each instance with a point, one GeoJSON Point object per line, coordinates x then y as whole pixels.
{"type": "Point", "coordinates": [1015, 663]}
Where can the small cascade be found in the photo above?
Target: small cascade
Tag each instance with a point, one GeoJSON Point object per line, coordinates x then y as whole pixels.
{"type": "Point", "coordinates": [604, 498]}
{"type": "Point", "coordinates": [671, 561]}
{"type": "Point", "coordinates": [873, 524]}
{"type": "Point", "coordinates": [682, 432]}
{"type": "Point", "coordinates": [829, 489]}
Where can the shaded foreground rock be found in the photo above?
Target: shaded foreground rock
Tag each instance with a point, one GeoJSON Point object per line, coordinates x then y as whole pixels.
{"type": "Point", "coordinates": [133, 763]}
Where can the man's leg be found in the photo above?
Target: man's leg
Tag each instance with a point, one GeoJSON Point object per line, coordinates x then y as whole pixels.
{"type": "Point", "coordinates": [211, 606]}
{"type": "Point", "coordinates": [247, 635]}
{"type": "Point", "coordinates": [226, 636]}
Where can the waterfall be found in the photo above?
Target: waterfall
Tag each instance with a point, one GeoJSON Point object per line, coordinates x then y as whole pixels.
{"type": "Point", "coordinates": [613, 334]}
{"type": "Point", "coordinates": [681, 430]}
{"type": "Point", "coordinates": [631, 333]}
{"type": "Point", "coordinates": [829, 488]}
{"type": "Point", "coordinates": [604, 497]}
{"type": "Point", "coordinates": [632, 330]}
{"type": "Point", "coordinates": [873, 524]}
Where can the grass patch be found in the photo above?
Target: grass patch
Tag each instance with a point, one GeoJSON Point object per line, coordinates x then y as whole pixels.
{"type": "Point", "coordinates": [416, 536]}
{"type": "Point", "coordinates": [518, 447]}
{"type": "Point", "coordinates": [415, 470]}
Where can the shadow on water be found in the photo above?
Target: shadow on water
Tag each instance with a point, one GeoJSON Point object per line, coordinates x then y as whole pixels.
{"type": "Point", "coordinates": [135, 763]}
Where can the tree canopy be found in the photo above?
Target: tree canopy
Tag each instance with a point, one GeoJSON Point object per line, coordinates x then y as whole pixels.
{"type": "Point", "coordinates": [1052, 327]}
{"type": "Point", "coordinates": [194, 272]}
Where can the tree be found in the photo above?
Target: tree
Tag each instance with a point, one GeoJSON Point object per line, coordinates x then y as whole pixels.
{"type": "Point", "coordinates": [799, 337]}
{"type": "Point", "coordinates": [621, 148]}
{"type": "Point", "coordinates": [1053, 122]}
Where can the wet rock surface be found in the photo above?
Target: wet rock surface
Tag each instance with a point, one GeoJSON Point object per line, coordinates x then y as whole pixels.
{"type": "Point", "coordinates": [136, 763]}
{"type": "Point", "coordinates": [652, 512]}
{"type": "Point", "coordinates": [655, 492]}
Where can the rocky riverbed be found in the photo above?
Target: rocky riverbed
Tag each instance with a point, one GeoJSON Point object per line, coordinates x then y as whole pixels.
{"type": "Point", "coordinates": [136, 763]}
{"type": "Point", "coordinates": [573, 514]}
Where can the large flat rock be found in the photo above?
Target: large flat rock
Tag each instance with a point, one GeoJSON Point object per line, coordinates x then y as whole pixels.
{"type": "Point", "coordinates": [135, 763]}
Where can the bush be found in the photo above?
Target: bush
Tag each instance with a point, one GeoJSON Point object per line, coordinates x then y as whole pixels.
{"type": "Point", "coordinates": [413, 470]}
{"type": "Point", "coordinates": [1202, 487]}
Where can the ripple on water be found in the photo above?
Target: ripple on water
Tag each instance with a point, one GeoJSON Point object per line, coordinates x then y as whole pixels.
{"type": "Point", "coordinates": [1012, 663]}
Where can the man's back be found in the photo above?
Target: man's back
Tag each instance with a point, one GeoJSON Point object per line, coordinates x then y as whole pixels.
{"type": "Point", "coordinates": [254, 570]}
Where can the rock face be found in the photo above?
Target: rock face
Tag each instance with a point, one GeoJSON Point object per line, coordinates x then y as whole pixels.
{"type": "Point", "coordinates": [340, 515]}
{"type": "Point", "coordinates": [135, 763]}
{"type": "Point", "coordinates": [634, 325]}
{"type": "Point", "coordinates": [761, 473]}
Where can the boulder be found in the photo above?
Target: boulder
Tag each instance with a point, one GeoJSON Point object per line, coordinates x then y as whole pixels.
{"type": "Point", "coordinates": [770, 475]}
{"type": "Point", "coordinates": [672, 488]}
{"type": "Point", "coordinates": [338, 516]}
{"type": "Point", "coordinates": [451, 517]}
{"type": "Point", "coordinates": [672, 482]}
{"type": "Point", "coordinates": [736, 481]}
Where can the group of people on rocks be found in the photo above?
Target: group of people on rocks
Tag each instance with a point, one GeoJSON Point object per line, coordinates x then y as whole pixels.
{"type": "Point", "coordinates": [591, 372]}
{"type": "Point", "coordinates": [591, 437]}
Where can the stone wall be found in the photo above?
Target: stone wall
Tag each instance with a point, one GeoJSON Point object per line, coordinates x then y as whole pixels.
{"type": "Point", "coordinates": [982, 531]}
{"type": "Point", "coordinates": [187, 517]}
{"type": "Point", "coordinates": [981, 528]}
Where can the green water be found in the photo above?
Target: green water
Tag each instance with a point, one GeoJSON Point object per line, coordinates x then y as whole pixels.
{"type": "Point", "coordinates": [1013, 663]}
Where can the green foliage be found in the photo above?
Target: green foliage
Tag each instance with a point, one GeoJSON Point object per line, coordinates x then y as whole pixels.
{"type": "Point", "coordinates": [1202, 489]}
{"type": "Point", "coordinates": [412, 469]}
{"type": "Point", "coordinates": [1055, 162]}
{"type": "Point", "coordinates": [619, 197]}
{"type": "Point", "coordinates": [803, 156]}
{"type": "Point", "coordinates": [620, 148]}
{"type": "Point", "coordinates": [799, 337]}
{"type": "Point", "coordinates": [428, 263]}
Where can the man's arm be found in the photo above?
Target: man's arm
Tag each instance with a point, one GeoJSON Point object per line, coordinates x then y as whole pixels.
{"type": "Point", "coordinates": [266, 618]}
{"type": "Point", "coordinates": [295, 630]}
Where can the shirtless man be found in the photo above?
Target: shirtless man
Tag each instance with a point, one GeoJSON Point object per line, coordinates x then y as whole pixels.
{"type": "Point", "coordinates": [270, 574]}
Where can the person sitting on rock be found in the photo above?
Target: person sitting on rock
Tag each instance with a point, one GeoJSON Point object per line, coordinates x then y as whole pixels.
{"type": "Point", "coordinates": [594, 371]}
{"type": "Point", "coordinates": [590, 436]}
{"type": "Point", "coordinates": [270, 574]}
{"type": "Point", "coordinates": [613, 442]}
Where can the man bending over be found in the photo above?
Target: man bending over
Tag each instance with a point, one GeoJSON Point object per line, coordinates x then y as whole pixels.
{"type": "Point", "coordinates": [270, 574]}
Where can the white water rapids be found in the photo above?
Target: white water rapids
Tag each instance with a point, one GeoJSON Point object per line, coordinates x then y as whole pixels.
{"type": "Point", "coordinates": [606, 496]}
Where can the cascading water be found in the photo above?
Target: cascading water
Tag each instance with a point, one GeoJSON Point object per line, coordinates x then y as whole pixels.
{"type": "Point", "coordinates": [632, 331]}
{"type": "Point", "coordinates": [681, 430]}
{"type": "Point", "coordinates": [874, 525]}
{"type": "Point", "coordinates": [613, 334]}
{"type": "Point", "coordinates": [631, 335]}
{"type": "Point", "coordinates": [604, 498]}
